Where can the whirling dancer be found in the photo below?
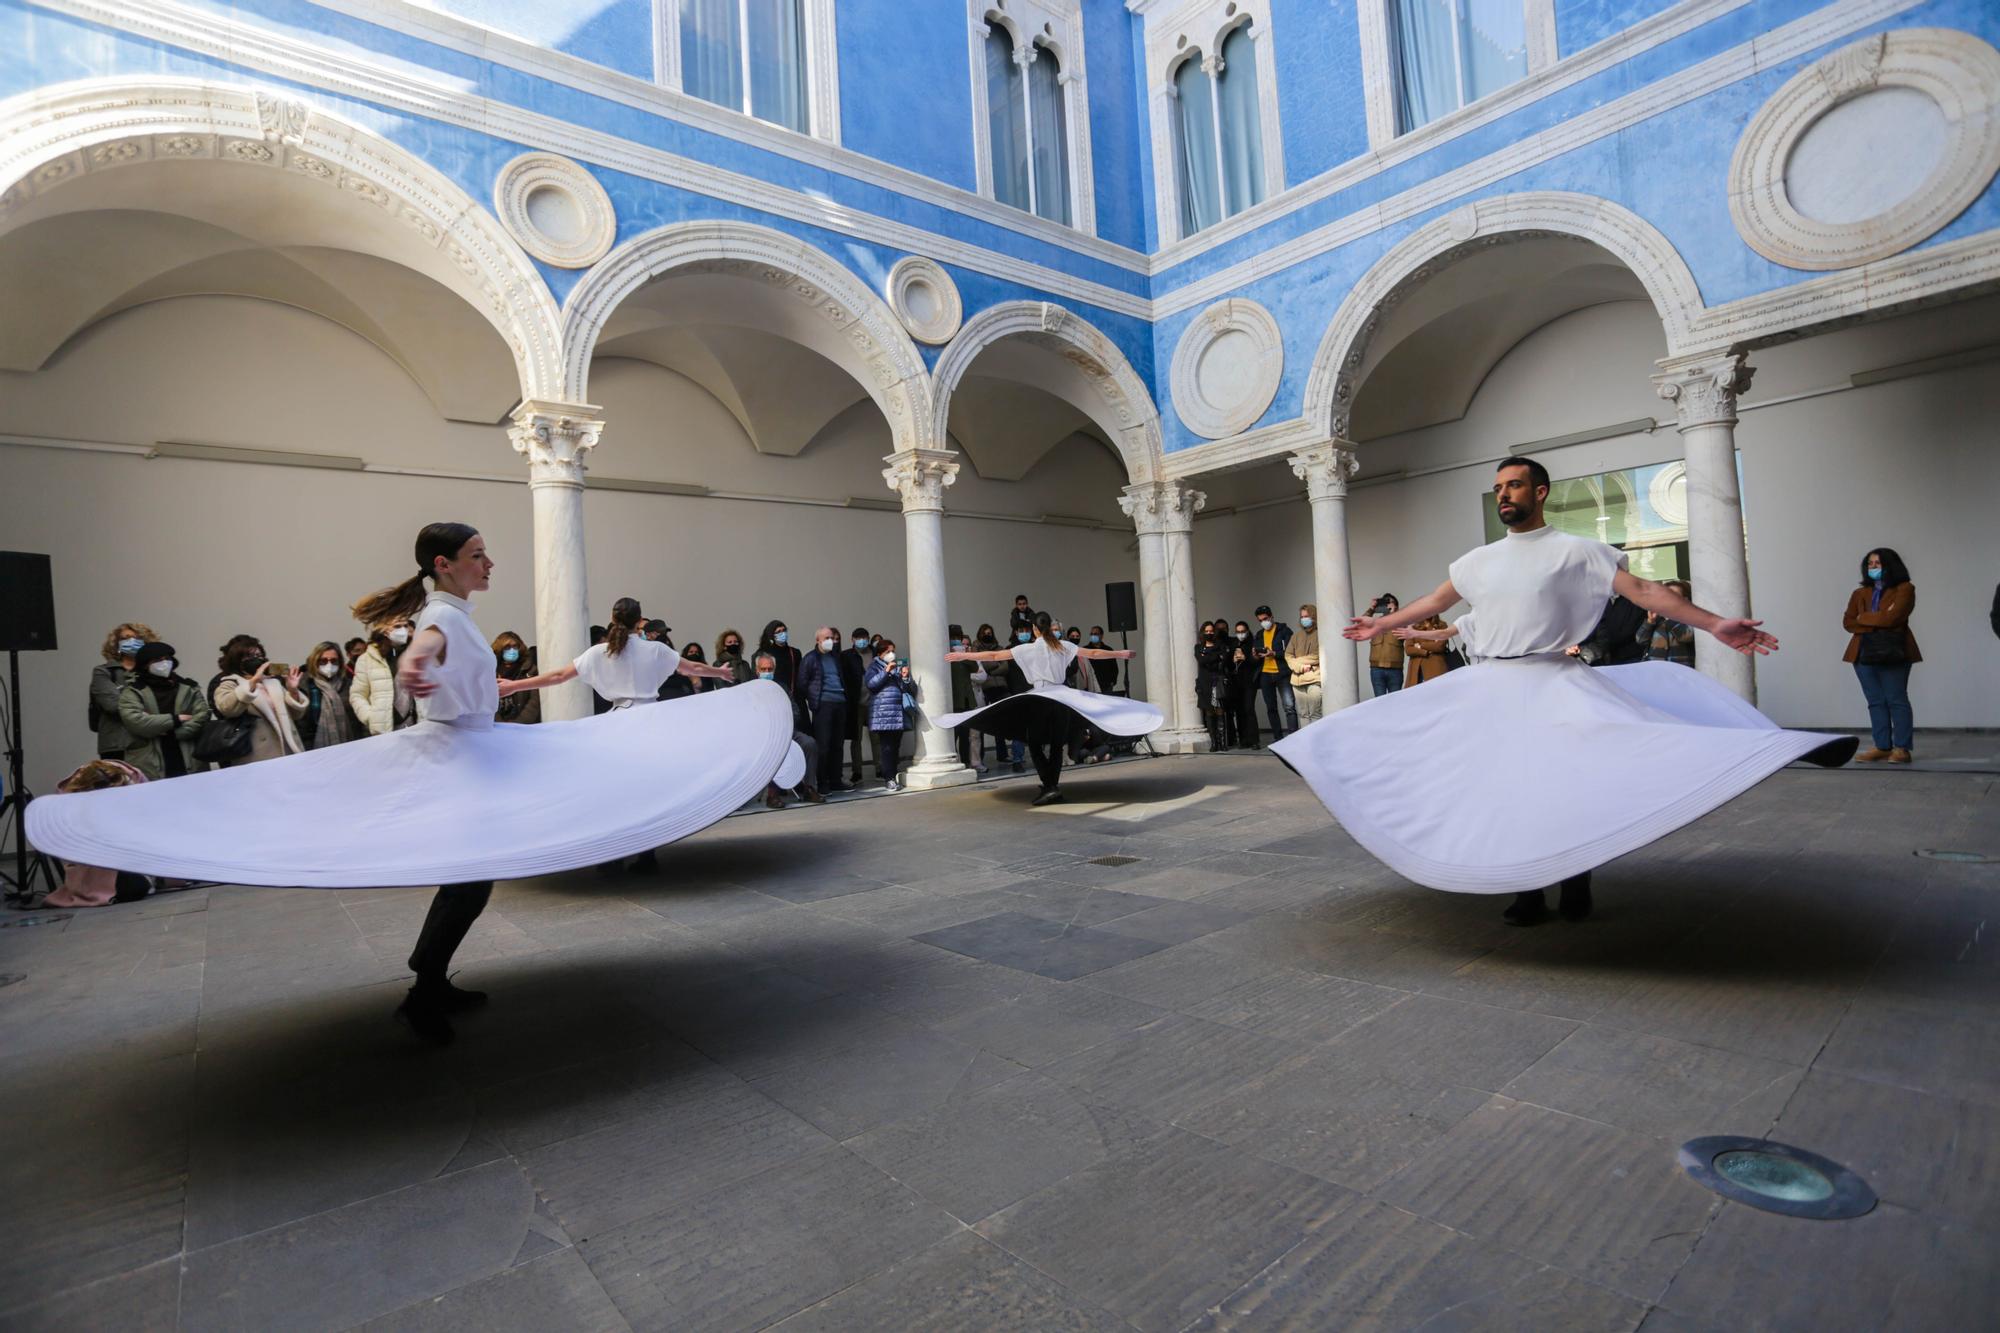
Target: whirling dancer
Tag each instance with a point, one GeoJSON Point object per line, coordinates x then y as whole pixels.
{"type": "Point", "coordinates": [1042, 716]}
{"type": "Point", "coordinates": [627, 668]}
{"type": "Point", "coordinates": [1539, 768]}
{"type": "Point", "coordinates": [454, 800]}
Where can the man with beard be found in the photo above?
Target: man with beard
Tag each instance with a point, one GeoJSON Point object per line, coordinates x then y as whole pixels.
{"type": "Point", "coordinates": [1538, 768]}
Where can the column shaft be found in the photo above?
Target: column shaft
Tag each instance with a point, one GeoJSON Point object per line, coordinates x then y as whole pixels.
{"type": "Point", "coordinates": [1326, 470]}
{"type": "Point", "coordinates": [554, 438]}
{"type": "Point", "coordinates": [920, 476]}
{"type": "Point", "coordinates": [1703, 390]}
{"type": "Point", "coordinates": [1163, 512]}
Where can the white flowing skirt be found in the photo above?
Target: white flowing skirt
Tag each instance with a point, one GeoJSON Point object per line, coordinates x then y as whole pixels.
{"type": "Point", "coordinates": [1515, 775]}
{"type": "Point", "coordinates": [1112, 714]}
{"type": "Point", "coordinates": [441, 804]}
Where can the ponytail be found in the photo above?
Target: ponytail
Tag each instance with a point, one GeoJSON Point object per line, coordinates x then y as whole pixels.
{"type": "Point", "coordinates": [1045, 629]}
{"type": "Point", "coordinates": [406, 599]}
{"type": "Point", "coordinates": [625, 616]}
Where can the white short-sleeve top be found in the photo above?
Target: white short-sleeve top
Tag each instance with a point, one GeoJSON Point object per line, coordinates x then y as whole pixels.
{"type": "Point", "coordinates": [1042, 665]}
{"type": "Point", "coordinates": [1536, 592]}
{"type": "Point", "coordinates": [634, 676]}
{"type": "Point", "coordinates": [468, 687]}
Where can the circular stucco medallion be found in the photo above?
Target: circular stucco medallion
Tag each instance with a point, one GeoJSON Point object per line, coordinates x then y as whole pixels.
{"type": "Point", "coordinates": [1226, 368]}
{"type": "Point", "coordinates": [555, 209]}
{"type": "Point", "coordinates": [1869, 151]}
{"type": "Point", "coordinates": [925, 298]}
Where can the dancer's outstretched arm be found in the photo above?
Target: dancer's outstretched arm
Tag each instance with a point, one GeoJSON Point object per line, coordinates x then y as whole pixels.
{"type": "Point", "coordinates": [703, 671]}
{"type": "Point", "coordinates": [1436, 603]}
{"type": "Point", "coordinates": [1119, 654]}
{"type": "Point", "coordinates": [997, 655]}
{"type": "Point", "coordinates": [1742, 635]}
{"type": "Point", "coordinates": [562, 675]}
{"type": "Point", "coordinates": [1429, 635]}
{"type": "Point", "coordinates": [413, 671]}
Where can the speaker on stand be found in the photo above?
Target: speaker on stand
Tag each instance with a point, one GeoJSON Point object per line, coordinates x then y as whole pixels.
{"type": "Point", "coordinates": [1121, 615]}
{"type": "Point", "coordinates": [27, 625]}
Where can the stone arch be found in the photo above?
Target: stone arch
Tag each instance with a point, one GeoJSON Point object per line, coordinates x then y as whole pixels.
{"type": "Point", "coordinates": [871, 341]}
{"type": "Point", "coordinates": [1331, 386]}
{"type": "Point", "coordinates": [1124, 409]}
{"type": "Point", "coordinates": [65, 133]}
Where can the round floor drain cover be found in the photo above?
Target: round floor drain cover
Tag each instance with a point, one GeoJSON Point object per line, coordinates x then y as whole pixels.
{"type": "Point", "coordinates": [1974, 858]}
{"type": "Point", "coordinates": [18, 922]}
{"type": "Point", "coordinates": [1776, 1177]}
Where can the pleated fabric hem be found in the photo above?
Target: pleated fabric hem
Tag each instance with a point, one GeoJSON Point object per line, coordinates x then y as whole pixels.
{"type": "Point", "coordinates": [1111, 714]}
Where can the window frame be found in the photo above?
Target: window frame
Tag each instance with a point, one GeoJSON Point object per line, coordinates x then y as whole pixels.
{"type": "Point", "coordinates": [1054, 26]}
{"type": "Point", "coordinates": [1378, 67]}
{"type": "Point", "coordinates": [1197, 28]}
{"type": "Point", "coordinates": [822, 65]}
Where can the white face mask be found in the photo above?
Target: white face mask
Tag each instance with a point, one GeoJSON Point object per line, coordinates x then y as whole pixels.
{"type": "Point", "coordinates": [162, 668]}
{"type": "Point", "coordinates": [826, 645]}
{"type": "Point", "coordinates": [399, 636]}
{"type": "Point", "coordinates": [1263, 624]}
{"type": "Point", "coordinates": [328, 670]}
{"type": "Point", "coordinates": [889, 658]}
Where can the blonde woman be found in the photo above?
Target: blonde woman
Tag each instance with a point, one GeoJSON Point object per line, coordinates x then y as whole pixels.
{"type": "Point", "coordinates": [107, 678]}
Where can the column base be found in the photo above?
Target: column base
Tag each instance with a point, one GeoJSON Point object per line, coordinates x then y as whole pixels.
{"type": "Point", "coordinates": [927, 775]}
{"type": "Point", "coordinates": [1188, 741]}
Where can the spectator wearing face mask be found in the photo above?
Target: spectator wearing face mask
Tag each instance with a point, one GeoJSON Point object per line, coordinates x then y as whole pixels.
{"type": "Point", "coordinates": [824, 689]}
{"type": "Point", "coordinates": [729, 656]}
{"type": "Point", "coordinates": [107, 678]}
{"type": "Point", "coordinates": [381, 704]}
{"type": "Point", "coordinates": [1302, 660]}
{"type": "Point", "coordinates": [162, 713]}
{"type": "Point", "coordinates": [1105, 669]}
{"type": "Point", "coordinates": [854, 659]}
{"type": "Point", "coordinates": [892, 697]}
{"type": "Point", "coordinates": [766, 668]}
{"type": "Point", "coordinates": [326, 720]}
{"type": "Point", "coordinates": [1274, 678]}
{"type": "Point", "coordinates": [693, 684]}
{"type": "Point", "coordinates": [1015, 682]}
{"type": "Point", "coordinates": [1385, 650]}
{"type": "Point", "coordinates": [514, 660]}
{"type": "Point", "coordinates": [1022, 617]}
{"type": "Point", "coordinates": [966, 678]}
{"type": "Point", "coordinates": [776, 641]}
{"type": "Point", "coordinates": [1244, 673]}
{"type": "Point", "coordinates": [1212, 669]}
{"type": "Point", "coordinates": [249, 688]}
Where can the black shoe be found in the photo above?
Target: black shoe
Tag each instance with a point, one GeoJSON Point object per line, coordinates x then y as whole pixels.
{"type": "Point", "coordinates": [451, 999]}
{"type": "Point", "coordinates": [1529, 909]}
{"type": "Point", "coordinates": [1049, 796]}
{"type": "Point", "coordinates": [645, 861]}
{"type": "Point", "coordinates": [1575, 901]}
{"type": "Point", "coordinates": [425, 1016]}
{"type": "Point", "coordinates": [1020, 767]}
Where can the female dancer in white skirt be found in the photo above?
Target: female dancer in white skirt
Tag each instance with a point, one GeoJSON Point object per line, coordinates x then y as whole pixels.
{"type": "Point", "coordinates": [627, 669]}
{"type": "Point", "coordinates": [1043, 715]}
{"type": "Point", "coordinates": [454, 800]}
{"type": "Point", "coordinates": [1548, 768]}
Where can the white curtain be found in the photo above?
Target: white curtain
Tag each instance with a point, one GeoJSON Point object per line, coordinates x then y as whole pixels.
{"type": "Point", "coordinates": [1236, 116]}
{"type": "Point", "coordinates": [778, 62]}
{"type": "Point", "coordinates": [1493, 38]}
{"type": "Point", "coordinates": [711, 52]}
{"type": "Point", "coordinates": [1426, 66]}
{"type": "Point", "coordinates": [1050, 133]}
{"type": "Point", "coordinates": [1194, 148]}
{"type": "Point", "coordinates": [1006, 120]}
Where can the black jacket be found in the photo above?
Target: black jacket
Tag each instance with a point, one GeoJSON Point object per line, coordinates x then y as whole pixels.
{"type": "Point", "coordinates": [1615, 641]}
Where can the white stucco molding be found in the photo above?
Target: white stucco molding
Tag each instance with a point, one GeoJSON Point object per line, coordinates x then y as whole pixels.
{"type": "Point", "coordinates": [925, 298]}
{"type": "Point", "coordinates": [1196, 29]}
{"type": "Point", "coordinates": [822, 61]}
{"type": "Point", "coordinates": [1955, 70]}
{"type": "Point", "coordinates": [1378, 62]}
{"type": "Point", "coordinates": [1330, 389]}
{"type": "Point", "coordinates": [555, 438]}
{"type": "Point", "coordinates": [555, 209]}
{"type": "Point", "coordinates": [1162, 507]}
{"type": "Point", "coordinates": [1220, 401]}
{"type": "Point", "coordinates": [67, 131]}
{"type": "Point", "coordinates": [893, 374]}
{"type": "Point", "coordinates": [1123, 395]}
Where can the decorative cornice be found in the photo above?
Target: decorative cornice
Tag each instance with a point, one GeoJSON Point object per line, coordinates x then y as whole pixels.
{"type": "Point", "coordinates": [920, 477]}
{"type": "Point", "coordinates": [1162, 507]}
{"type": "Point", "coordinates": [1704, 389]}
{"type": "Point", "coordinates": [554, 437]}
{"type": "Point", "coordinates": [1326, 469]}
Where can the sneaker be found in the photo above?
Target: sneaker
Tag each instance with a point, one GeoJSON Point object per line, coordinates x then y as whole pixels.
{"type": "Point", "coordinates": [1899, 756]}
{"type": "Point", "coordinates": [890, 785]}
{"type": "Point", "coordinates": [1871, 756]}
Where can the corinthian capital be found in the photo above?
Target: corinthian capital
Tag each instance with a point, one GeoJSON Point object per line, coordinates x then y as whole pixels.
{"type": "Point", "coordinates": [554, 437]}
{"type": "Point", "coordinates": [1326, 469]}
{"type": "Point", "coordinates": [920, 476]}
{"type": "Point", "coordinates": [1162, 506]}
{"type": "Point", "coordinates": [1703, 389]}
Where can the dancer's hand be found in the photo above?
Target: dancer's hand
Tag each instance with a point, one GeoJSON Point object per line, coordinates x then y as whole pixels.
{"type": "Point", "coordinates": [413, 674]}
{"type": "Point", "coordinates": [1745, 637]}
{"type": "Point", "coordinates": [1360, 629]}
{"type": "Point", "coordinates": [507, 687]}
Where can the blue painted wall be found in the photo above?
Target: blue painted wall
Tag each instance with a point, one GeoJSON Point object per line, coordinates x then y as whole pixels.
{"type": "Point", "coordinates": [1321, 108]}
{"type": "Point", "coordinates": [614, 33]}
{"type": "Point", "coordinates": [905, 87]}
{"type": "Point", "coordinates": [1581, 23]}
{"type": "Point", "coordinates": [1119, 138]}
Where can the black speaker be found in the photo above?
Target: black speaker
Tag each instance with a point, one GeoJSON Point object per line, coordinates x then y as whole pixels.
{"type": "Point", "coordinates": [27, 603]}
{"type": "Point", "coordinates": [1121, 607]}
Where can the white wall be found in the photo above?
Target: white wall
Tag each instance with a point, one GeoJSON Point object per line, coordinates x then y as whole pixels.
{"type": "Point", "coordinates": [201, 550]}
{"type": "Point", "coordinates": [1912, 464]}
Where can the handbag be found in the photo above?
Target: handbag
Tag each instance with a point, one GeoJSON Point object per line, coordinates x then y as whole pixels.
{"type": "Point", "coordinates": [1883, 647]}
{"type": "Point", "coordinates": [223, 739]}
{"type": "Point", "coordinates": [1453, 659]}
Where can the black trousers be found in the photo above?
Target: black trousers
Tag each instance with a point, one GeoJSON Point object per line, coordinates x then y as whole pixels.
{"type": "Point", "coordinates": [888, 754]}
{"type": "Point", "coordinates": [1243, 719]}
{"type": "Point", "coordinates": [829, 728]}
{"type": "Point", "coordinates": [452, 913]}
{"type": "Point", "coordinates": [1048, 732]}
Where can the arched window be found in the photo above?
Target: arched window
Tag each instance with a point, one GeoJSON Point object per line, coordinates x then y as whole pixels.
{"type": "Point", "coordinates": [747, 55]}
{"type": "Point", "coordinates": [1027, 126]}
{"type": "Point", "coordinates": [1446, 53]}
{"type": "Point", "coordinates": [1218, 133]}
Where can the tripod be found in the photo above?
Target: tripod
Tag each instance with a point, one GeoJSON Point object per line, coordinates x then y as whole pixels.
{"type": "Point", "coordinates": [29, 867]}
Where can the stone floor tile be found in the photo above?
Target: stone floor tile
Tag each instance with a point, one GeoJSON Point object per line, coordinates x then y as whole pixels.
{"type": "Point", "coordinates": [1544, 1300]}
{"type": "Point", "coordinates": [1360, 954]}
{"type": "Point", "coordinates": [1043, 947]}
{"type": "Point", "coordinates": [745, 1255]}
{"type": "Point", "coordinates": [556, 1291]}
{"type": "Point", "coordinates": [1426, 1040]}
{"type": "Point", "coordinates": [1950, 1055]}
{"type": "Point", "coordinates": [1040, 1027]}
{"type": "Point", "coordinates": [1178, 922]}
{"type": "Point", "coordinates": [1651, 1085]}
{"type": "Point", "coordinates": [1756, 1012]}
{"type": "Point", "coordinates": [1602, 1204]}
{"type": "Point", "coordinates": [1931, 1154]}
{"type": "Point", "coordinates": [137, 1300]}
{"type": "Point", "coordinates": [962, 1282]}
{"type": "Point", "coordinates": [1299, 1006]}
{"type": "Point", "coordinates": [1076, 904]}
{"type": "Point", "coordinates": [990, 1148]}
{"type": "Point", "coordinates": [339, 1268]}
{"type": "Point", "coordinates": [1165, 1232]}
{"type": "Point", "coordinates": [903, 1070]}
{"type": "Point", "coordinates": [1175, 978]}
{"type": "Point", "coordinates": [1170, 1067]}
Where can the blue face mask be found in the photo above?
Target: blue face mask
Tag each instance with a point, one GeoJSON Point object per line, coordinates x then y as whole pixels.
{"type": "Point", "coordinates": [511, 655]}
{"type": "Point", "coordinates": [129, 647]}
{"type": "Point", "coordinates": [1097, 638]}
{"type": "Point", "coordinates": [1875, 574]}
{"type": "Point", "coordinates": [1022, 636]}
{"type": "Point", "coordinates": [861, 641]}
{"type": "Point", "coordinates": [1305, 622]}
{"type": "Point", "coordinates": [765, 675]}
{"type": "Point", "coordinates": [781, 636]}
{"type": "Point", "coordinates": [958, 645]}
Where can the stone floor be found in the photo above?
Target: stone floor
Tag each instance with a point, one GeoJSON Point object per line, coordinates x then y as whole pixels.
{"type": "Point", "coordinates": [1176, 1055]}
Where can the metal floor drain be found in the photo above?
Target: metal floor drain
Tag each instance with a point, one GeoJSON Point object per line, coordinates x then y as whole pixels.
{"type": "Point", "coordinates": [1112, 860]}
{"type": "Point", "coordinates": [1776, 1177]}
{"type": "Point", "coordinates": [1972, 858]}
{"type": "Point", "coordinates": [16, 922]}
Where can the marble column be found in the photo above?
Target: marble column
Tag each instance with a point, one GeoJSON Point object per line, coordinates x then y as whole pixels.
{"type": "Point", "coordinates": [1326, 469]}
{"type": "Point", "coordinates": [920, 477]}
{"type": "Point", "coordinates": [554, 437]}
{"type": "Point", "coordinates": [1703, 390]}
{"type": "Point", "coordinates": [1163, 512]}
